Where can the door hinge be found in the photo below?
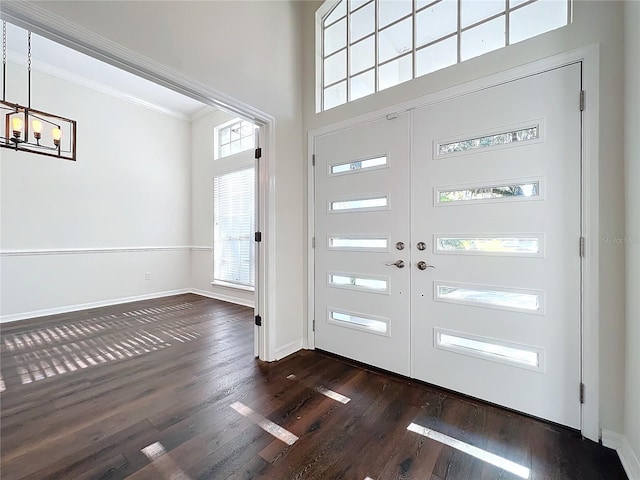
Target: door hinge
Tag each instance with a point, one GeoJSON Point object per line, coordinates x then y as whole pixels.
{"type": "Point", "coordinates": [313, 242]}
{"type": "Point", "coordinates": [582, 100]}
{"type": "Point", "coordinates": [258, 153]}
{"type": "Point", "coordinates": [313, 160]}
{"type": "Point", "coordinates": [313, 325]}
{"type": "Point", "coordinates": [257, 236]}
{"type": "Point", "coordinates": [582, 393]}
{"type": "Point", "coordinates": [258, 320]}
{"type": "Point", "coordinates": [582, 248]}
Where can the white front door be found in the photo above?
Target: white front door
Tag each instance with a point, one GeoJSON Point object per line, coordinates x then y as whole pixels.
{"type": "Point", "coordinates": [488, 207]}
{"type": "Point", "coordinates": [362, 212]}
{"type": "Point", "coordinates": [496, 199]}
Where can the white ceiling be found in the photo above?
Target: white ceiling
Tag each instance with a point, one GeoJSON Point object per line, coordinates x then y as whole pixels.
{"type": "Point", "coordinates": [46, 54]}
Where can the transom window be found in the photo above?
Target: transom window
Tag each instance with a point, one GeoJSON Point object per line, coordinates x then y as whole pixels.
{"type": "Point", "coordinates": [368, 46]}
{"type": "Point", "coordinates": [233, 137]}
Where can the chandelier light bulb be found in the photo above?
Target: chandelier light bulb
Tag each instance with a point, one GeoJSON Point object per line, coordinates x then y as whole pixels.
{"type": "Point", "coordinates": [57, 134]}
{"type": "Point", "coordinates": [16, 125]}
{"type": "Point", "coordinates": [37, 129]}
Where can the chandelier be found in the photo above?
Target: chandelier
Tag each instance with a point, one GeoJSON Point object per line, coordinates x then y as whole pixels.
{"type": "Point", "coordinates": [26, 129]}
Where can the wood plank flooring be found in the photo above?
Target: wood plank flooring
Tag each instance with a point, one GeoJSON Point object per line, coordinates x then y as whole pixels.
{"type": "Point", "coordinates": [169, 389]}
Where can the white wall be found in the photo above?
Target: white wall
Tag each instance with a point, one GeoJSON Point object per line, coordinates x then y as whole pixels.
{"type": "Point", "coordinates": [632, 237]}
{"type": "Point", "coordinates": [128, 188]}
{"type": "Point", "coordinates": [250, 50]}
{"type": "Point", "coordinates": [203, 168]}
{"type": "Point", "coordinates": [594, 22]}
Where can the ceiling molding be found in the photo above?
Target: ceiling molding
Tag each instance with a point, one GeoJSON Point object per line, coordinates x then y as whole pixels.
{"type": "Point", "coordinates": [54, 27]}
{"type": "Point", "coordinates": [203, 112]}
{"type": "Point", "coordinates": [83, 81]}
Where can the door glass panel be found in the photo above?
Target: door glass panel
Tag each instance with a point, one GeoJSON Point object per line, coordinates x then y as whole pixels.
{"type": "Point", "coordinates": [536, 18]}
{"type": "Point", "coordinates": [489, 245]}
{"type": "Point", "coordinates": [363, 22]}
{"type": "Point", "coordinates": [359, 204]}
{"type": "Point", "coordinates": [490, 349]}
{"type": "Point", "coordinates": [488, 297]}
{"type": "Point", "coordinates": [358, 165]}
{"type": "Point", "coordinates": [395, 72]}
{"type": "Point", "coordinates": [335, 37]}
{"type": "Point", "coordinates": [437, 56]}
{"type": "Point", "coordinates": [335, 67]}
{"type": "Point", "coordinates": [373, 325]}
{"type": "Point", "coordinates": [395, 40]}
{"type": "Point", "coordinates": [363, 55]}
{"type": "Point", "coordinates": [391, 10]}
{"type": "Point", "coordinates": [512, 191]}
{"type": "Point", "coordinates": [483, 38]}
{"type": "Point", "coordinates": [487, 141]}
{"type": "Point", "coordinates": [436, 21]}
{"type": "Point", "coordinates": [357, 282]}
{"type": "Point", "coordinates": [475, 10]}
{"type": "Point", "coordinates": [355, 242]}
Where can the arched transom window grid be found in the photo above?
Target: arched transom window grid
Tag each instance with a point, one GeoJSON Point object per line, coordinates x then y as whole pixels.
{"type": "Point", "coordinates": [371, 45]}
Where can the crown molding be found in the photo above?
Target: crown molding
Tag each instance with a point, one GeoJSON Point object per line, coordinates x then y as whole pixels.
{"type": "Point", "coordinates": [83, 81]}
{"type": "Point", "coordinates": [54, 27]}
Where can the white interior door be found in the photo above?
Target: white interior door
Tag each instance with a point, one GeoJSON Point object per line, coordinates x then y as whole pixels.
{"type": "Point", "coordinates": [496, 200]}
{"type": "Point", "coordinates": [488, 209]}
{"type": "Point", "coordinates": [362, 212]}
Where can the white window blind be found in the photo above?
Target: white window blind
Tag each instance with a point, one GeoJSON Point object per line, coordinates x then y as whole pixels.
{"type": "Point", "coordinates": [233, 227]}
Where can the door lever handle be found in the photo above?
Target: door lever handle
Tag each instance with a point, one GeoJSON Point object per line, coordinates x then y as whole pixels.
{"type": "Point", "coordinates": [399, 264]}
{"type": "Point", "coordinates": [424, 266]}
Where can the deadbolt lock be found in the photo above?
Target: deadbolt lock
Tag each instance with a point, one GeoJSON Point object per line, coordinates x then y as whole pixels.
{"type": "Point", "coordinates": [421, 245]}
{"type": "Point", "coordinates": [400, 246]}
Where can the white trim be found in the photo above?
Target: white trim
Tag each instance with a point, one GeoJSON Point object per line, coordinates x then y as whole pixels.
{"type": "Point", "coordinates": [611, 439]}
{"type": "Point", "coordinates": [82, 81]}
{"type": "Point", "coordinates": [84, 306]}
{"type": "Point", "coordinates": [288, 349]}
{"type": "Point", "coordinates": [590, 58]}
{"type": "Point", "coordinates": [224, 297]}
{"type": "Point", "coordinates": [43, 22]}
{"type": "Point", "coordinates": [628, 458]}
{"type": "Point", "coordinates": [93, 251]}
{"type": "Point", "coordinates": [203, 112]}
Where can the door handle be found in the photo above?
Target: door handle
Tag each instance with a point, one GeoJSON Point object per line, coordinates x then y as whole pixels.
{"type": "Point", "coordinates": [424, 266]}
{"type": "Point", "coordinates": [399, 264]}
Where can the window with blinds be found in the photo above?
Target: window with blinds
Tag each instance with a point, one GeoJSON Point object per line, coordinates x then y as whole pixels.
{"type": "Point", "coordinates": [233, 228]}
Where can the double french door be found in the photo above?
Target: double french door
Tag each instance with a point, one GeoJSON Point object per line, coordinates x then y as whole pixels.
{"type": "Point", "coordinates": [447, 244]}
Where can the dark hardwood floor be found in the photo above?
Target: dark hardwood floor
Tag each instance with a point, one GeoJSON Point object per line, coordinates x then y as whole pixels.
{"type": "Point", "coordinates": [169, 389]}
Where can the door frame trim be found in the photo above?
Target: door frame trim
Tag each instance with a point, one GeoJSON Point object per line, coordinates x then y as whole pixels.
{"type": "Point", "coordinates": [43, 22]}
{"type": "Point", "coordinates": [589, 58]}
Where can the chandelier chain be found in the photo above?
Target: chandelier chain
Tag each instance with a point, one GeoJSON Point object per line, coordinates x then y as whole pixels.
{"type": "Point", "coordinates": [29, 68]}
{"type": "Point", "coordinates": [4, 60]}
{"type": "Point", "coordinates": [4, 42]}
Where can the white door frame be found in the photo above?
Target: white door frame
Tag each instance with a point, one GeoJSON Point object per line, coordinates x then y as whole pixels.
{"type": "Point", "coordinates": [589, 58]}
{"type": "Point", "coordinates": [60, 30]}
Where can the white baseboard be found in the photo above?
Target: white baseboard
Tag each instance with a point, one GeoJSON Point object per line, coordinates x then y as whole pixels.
{"type": "Point", "coordinates": [611, 439]}
{"type": "Point", "coordinates": [224, 297]}
{"type": "Point", "coordinates": [288, 349]}
{"type": "Point", "coordinates": [628, 458]}
{"type": "Point", "coordinates": [84, 306]}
